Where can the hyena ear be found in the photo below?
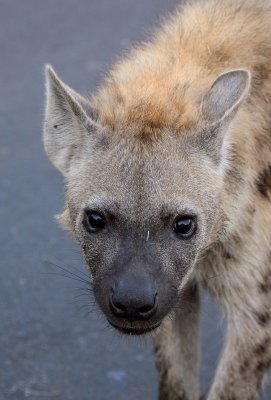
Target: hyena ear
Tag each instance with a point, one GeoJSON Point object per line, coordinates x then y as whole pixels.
{"type": "Point", "coordinates": [219, 107]}
{"type": "Point", "coordinates": [68, 123]}
{"type": "Point", "coordinates": [226, 95]}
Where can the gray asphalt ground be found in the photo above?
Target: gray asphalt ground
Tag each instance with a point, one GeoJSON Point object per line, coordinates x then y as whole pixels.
{"type": "Point", "coordinates": [51, 346]}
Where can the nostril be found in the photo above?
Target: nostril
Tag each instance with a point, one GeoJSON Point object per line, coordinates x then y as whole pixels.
{"type": "Point", "coordinates": [119, 306]}
{"type": "Point", "coordinates": [148, 310]}
{"type": "Point", "coordinates": [116, 307]}
{"type": "Point", "coordinates": [145, 309]}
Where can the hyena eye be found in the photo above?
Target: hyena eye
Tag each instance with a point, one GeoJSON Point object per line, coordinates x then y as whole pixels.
{"type": "Point", "coordinates": [93, 221]}
{"type": "Point", "coordinates": [185, 226]}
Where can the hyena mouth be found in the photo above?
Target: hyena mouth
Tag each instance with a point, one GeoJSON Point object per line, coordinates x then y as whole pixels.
{"type": "Point", "coordinates": [135, 331]}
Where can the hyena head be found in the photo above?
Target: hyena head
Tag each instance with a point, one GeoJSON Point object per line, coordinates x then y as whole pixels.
{"type": "Point", "coordinates": [144, 207]}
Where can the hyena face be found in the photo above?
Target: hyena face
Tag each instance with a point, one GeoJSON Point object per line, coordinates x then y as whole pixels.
{"type": "Point", "coordinates": [142, 209]}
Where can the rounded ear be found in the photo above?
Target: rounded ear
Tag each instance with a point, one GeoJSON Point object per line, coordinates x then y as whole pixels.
{"type": "Point", "coordinates": [226, 95]}
{"type": "Point", "coordinates": [67, 123]}
{"type": "Point", "coordinates": [219, 107]}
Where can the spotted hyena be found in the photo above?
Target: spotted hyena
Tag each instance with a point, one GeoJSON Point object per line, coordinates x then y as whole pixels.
{"type": "Point", "coordinates": [168, 177]}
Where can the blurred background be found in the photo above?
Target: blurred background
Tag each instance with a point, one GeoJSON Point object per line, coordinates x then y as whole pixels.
{"type": "Point", "coordinates": [51, 345]}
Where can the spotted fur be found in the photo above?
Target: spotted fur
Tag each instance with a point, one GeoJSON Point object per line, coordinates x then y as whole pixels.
{"type": "Point", "coordinates": [264, 182]}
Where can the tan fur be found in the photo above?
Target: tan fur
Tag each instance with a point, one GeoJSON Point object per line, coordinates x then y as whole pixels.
{"type": "Point", "coordinates": [162, 82]}
{"type": "Point", "coordinates": [184, 119]}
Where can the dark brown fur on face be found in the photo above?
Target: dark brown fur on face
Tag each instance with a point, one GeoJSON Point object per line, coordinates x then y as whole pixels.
{"type": "Point", "coordinates": [179, 128]}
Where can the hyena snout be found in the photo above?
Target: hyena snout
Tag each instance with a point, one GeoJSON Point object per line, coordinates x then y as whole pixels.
{"type": "Point", "coordinates": [134, 298]}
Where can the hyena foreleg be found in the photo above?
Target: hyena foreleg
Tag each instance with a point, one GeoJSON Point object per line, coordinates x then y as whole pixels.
{"type": "Point", "coordinates": [245, 359]}
{"type": "Point", "coordinates": [177, 350]}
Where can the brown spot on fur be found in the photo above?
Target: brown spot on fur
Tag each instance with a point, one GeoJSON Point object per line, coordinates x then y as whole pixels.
{"type": "Point", "coordinates": [261, 366]}
{"type": "Point", "coordinates": [264, 287]}
{"type": "Point", "coordinates": [263, 183]}
{"type": "Point", "coordinates": [252, 210]}
{"type": "Point", "coordinates": [261, 349]}
{"type": "Point", "coordinates": [262, 72]}
{"type": "Point", "coordinates": [237, 240]}
{"type": "Point", "coordinates": [222, 55]}
{"type": "Point", "coordinates": [244, 366]}
{"type": "Point", "coordinates": [263, 318]}
{"type": "Point", "coordinates": [228, 256]}
{"type": "Point", "coordinates": [265, 284]}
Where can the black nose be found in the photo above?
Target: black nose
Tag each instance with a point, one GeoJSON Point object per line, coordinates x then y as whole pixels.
{"type": "Point", "coordinates": [133, 299]}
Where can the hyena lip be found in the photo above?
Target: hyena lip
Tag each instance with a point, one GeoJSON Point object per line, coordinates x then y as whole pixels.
{"type": "Point", "coordinates": [135, 331]}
